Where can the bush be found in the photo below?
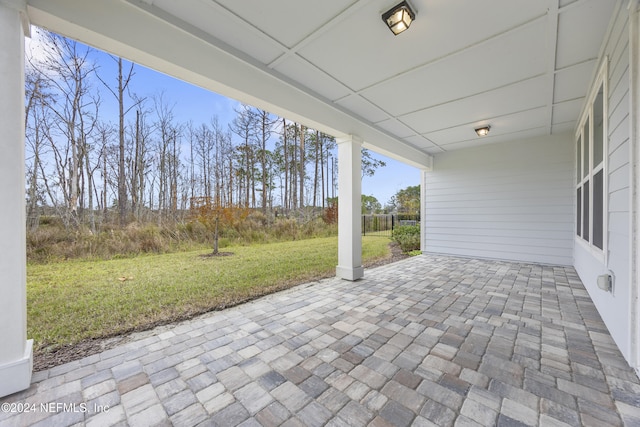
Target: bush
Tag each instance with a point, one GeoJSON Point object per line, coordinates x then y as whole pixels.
{"type": "Point", "coordinates": [408, 237]}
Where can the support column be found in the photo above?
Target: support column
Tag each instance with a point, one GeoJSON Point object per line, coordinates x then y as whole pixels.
{"type": "Point", "coordinates": [634, 114]}
{"type": "Point", "coordinates": [423, 209]}
{"type": "Point", "coordinates": [16, 360]}
{"type": "Point", "coordinates": [349, 208]}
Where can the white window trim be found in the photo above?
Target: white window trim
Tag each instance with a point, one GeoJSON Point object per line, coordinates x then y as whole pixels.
{"type": "Point", "coordinates": [587, 114]}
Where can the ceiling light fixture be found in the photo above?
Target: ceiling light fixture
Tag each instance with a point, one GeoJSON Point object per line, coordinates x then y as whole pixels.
{"type": "Point", "coordinates": [399, 17]}
{"type": "Point", "coordinates": [483, 131]}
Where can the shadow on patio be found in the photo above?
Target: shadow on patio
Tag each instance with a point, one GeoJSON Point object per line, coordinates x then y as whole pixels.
{"type": "Point", "coordinates": [429, 340]}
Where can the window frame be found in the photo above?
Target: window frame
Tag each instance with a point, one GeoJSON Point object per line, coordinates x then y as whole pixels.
{"type": "Point", "coordinates": [584, 146]}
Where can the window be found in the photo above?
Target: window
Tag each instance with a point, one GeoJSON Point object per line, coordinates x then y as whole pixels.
{"type": "Point", "coordinates": [591, 158]}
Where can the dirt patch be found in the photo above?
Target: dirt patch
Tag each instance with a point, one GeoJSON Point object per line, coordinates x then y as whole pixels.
{"type": "Point", "coordinates": [48, 359]}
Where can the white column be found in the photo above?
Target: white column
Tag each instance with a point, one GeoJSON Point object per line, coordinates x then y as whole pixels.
{"type": "Point", "coordinates": [423, 209]}
{"type": "Point", "coordinates": [349, 208]}
{"type": "Point", "coordinates": [15, 350]}
{"type": "Point", "coordinates": [634, 93]}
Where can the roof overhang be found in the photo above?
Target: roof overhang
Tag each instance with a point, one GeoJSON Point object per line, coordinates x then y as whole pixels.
{"type": "Point", "coordinates": [523, 67]}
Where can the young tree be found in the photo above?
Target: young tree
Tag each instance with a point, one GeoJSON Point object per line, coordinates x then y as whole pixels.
{"type": "Point", "coordinates": [213, 214]}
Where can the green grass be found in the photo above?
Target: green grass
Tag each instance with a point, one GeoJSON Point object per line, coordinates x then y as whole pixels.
{"type": "Point", "coordinates": [73, 301]}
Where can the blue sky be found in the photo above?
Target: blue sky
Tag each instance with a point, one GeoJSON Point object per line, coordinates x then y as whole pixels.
{"type": "Point", "coordinates": [199, 105]}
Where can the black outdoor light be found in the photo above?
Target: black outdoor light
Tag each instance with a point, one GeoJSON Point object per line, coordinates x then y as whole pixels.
{"type": "Point", "coordinates": [483, 131]}
{"type": "Point", "coordinates": [399, 17]}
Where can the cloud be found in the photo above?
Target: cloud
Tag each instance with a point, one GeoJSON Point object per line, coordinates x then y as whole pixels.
{"type": "Point", "coordinates": [37, 50]}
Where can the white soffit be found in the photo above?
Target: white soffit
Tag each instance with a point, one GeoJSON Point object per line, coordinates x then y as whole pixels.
{"type": "Point", "coordinates": [522, 66]}
{"type": "Point", "coordinates": [499, 102]}
{"type": "Point", "coordinates": [571, 81]}
{"type": "Point", "coordinates": [498, 62]}
{"type": "Point", "coordinates": [581, 28]}
{"type": "Point", "coordinates": [510, 124]}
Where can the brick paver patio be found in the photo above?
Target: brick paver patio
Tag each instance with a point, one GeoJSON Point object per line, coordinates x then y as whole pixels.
{"type": "Point", "coordinates": [428, 341]}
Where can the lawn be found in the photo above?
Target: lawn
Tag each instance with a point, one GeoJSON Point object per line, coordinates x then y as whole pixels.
{"type": "Point", "coordinates": [72, 301]}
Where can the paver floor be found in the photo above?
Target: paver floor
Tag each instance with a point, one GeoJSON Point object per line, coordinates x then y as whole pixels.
{"type": "Point", "coordinates": [428, 341]}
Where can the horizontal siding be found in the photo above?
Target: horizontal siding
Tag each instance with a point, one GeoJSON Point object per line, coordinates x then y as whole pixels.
{"type": "Point", "coordinates": [614, 307]}
{"type": "Point", "coordinates": [509, 201]}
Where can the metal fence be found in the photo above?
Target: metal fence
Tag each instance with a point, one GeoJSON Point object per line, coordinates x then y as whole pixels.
{"type": "Point", "coordinates": [383, 225]}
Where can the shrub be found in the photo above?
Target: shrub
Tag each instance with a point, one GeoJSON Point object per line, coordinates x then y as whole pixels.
{"type": "Point", "coordinates": [330, 215]}
{"type": "Point", "coordinates": [408, 237]}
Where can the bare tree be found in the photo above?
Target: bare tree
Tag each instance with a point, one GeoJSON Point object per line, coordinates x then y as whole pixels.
{"type": "Point", "coordinates": [123, 81]}
{"type": "Point", "coordinates": [243, 125]}
{"type": "Point", "coordinates": [37, 122]}
{"type": "Point", "coordinates": [302, 162]}
{"type": "Point", "coordinates": [167, 157]}
{"type": "Point", "coordinates": [265, 128]}
{"type": "Point", "coordinates": [68, 70]}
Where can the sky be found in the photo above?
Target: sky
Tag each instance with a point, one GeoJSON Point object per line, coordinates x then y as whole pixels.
{"type": "Point", "coordinates": [200, 105]}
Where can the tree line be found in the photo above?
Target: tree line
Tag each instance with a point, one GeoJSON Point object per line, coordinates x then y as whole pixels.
{"type": "Point", "coordinates": [88, 167]}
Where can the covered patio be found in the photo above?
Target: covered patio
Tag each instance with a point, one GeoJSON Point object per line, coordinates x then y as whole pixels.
{"type": "Point", "coordinates": [432, 339]}
{"type": "Point", "coordinates": [428, 341]}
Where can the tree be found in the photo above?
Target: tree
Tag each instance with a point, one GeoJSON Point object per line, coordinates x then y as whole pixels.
{"type": "Point", "coordinates": [37, 123]}
{"type": "Point", "coordinates": [123, 84]}
{"type": "Point", "coordinates": [244, 125]}
{"type": "Point", "coordinates": [407, 200]}
{"type": "Point", "coordinates": [370, 205]}
{"type": "Point", "coordinates": [168, 157]}
{"type": "Point", "coordinates": [212, 213]}
{"type": "Point", "coordinates": [68, 70]}
{"type": "Point", "coordinates": [370, 164]}
{"type": "Point", "coordinates": [265, 123]}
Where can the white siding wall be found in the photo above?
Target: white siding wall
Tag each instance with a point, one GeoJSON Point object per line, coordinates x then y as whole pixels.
{"type": "Point", "coordinates": [614, 308]}
{"type": "Point", "coordinates": [509, 201]}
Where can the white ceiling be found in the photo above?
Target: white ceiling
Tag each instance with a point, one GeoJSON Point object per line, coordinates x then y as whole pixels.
{"type": "Point", "coordinates": [522, 66]}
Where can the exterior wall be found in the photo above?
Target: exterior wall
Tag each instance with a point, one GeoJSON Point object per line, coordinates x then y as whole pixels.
{"type": "Point", "coordinates": [509, 201]}
{"type": "Point", "coordinates": [615, 307]}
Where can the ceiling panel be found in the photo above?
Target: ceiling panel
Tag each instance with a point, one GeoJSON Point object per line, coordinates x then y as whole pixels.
{"type": "Point", "coordinates": [376, 55]}
{"type": "Point", "coordinates": [363, 108]}
{"type": "Point", "coordinates": [508, 124]}
{"type": "Point", "coordinates": [421, 141]}
{"type": "Point", "coordinates": [499, 62]}
{"type": "Point", "coordinates": [580, 31]}
{"type": "Point", "coordinates": [396, 127]}
{"type": "Point", "coordinates": [573, 82]}
{"type": "Point", "coordinates": [514, 98]}
{"type": "Point", "coordinates": [212, 19]}
{"type": "Point", "coordinates": [516, 136]}
{"type": "Point", "coordinates": [288, 21]}
{"type": "Point", "coordinates": [563, 127]}
{"type": "Point", "coordinates": [306, 74]}
{"type": "Point", "coordinates": [567, 111]}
